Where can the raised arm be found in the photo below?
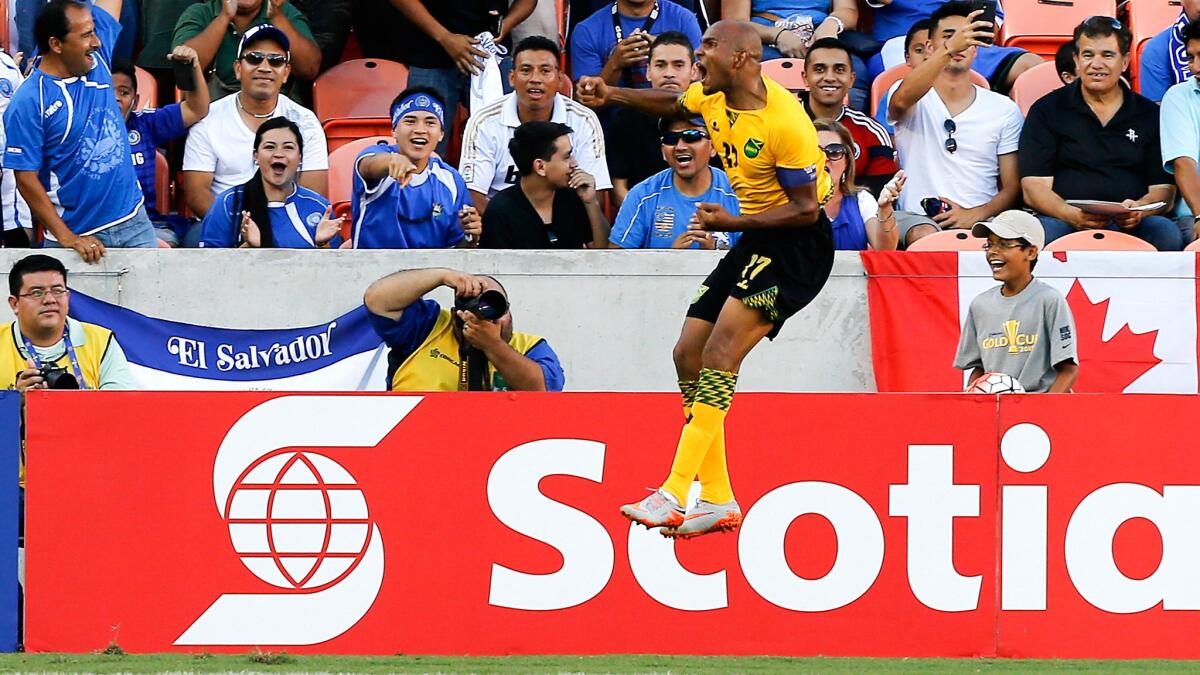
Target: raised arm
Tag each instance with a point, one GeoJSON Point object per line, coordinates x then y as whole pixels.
{"type": "Point", "coordinates": [113, 7]}
{"type": "Point", "coordinates": [391, 295]}
{"type": "Point", "coordinates": [306, 56]}
{"type": "Point", "coordinates": [594, 92]}
{"type": "Point", "coordinates": [916, 84]}
{"type": "Point", "coordinates": [195, 102]}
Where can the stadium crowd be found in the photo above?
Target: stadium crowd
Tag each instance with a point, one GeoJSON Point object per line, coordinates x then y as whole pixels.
{"type": "Point", "coordinates": [488, 147]}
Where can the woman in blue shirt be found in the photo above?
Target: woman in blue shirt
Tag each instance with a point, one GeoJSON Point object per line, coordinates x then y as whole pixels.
{"type": "Point", "coordinates": [296, 217]}
{"type": "Point", "coordinates": [859, 220]}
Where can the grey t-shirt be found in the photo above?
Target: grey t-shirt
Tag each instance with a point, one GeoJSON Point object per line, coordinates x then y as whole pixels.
{"type": "Point", "coordinates": [1024, 336]}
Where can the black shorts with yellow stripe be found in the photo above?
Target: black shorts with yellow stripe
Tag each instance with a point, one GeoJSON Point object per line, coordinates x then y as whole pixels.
{"type": "Point", "coordinates": [777, 273]}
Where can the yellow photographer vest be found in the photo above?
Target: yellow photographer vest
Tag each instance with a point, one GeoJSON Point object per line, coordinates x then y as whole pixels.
{"type": "Point", "coordinates": [89, 350]}
{"type": "Point", "coordinates": [434, 366]}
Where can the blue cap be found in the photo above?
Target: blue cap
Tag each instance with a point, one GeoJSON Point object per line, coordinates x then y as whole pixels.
{"type": "Point", "coordinates": [664, 124]}
{"type": "Point", "coordinates": [264, 31]}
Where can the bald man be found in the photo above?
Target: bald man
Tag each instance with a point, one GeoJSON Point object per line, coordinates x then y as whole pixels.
{"type": "Point", "coordinates": [782, 260]}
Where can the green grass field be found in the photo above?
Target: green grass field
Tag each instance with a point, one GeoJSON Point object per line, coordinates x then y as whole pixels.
{"type": "Point", "coordinates": [283, 662]}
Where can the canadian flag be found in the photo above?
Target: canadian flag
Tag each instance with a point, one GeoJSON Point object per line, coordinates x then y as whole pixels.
{"type": "Point", "coordinates": [1135, 316]}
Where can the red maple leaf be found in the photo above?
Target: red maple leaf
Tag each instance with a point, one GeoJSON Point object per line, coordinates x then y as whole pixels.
{"type": "Point", "coordinates": [1107, 365]}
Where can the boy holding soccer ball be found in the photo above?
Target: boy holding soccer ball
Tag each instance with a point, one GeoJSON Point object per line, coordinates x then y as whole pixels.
{"type": "Point", "coordinates": [1023, 327]}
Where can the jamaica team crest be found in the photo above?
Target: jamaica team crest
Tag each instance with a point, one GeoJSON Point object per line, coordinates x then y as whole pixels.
{"type": "Point", "coordinates": [753, 147]}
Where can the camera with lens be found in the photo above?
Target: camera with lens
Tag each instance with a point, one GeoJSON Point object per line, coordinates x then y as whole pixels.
{"type": "Point", "coordinates": [489, 305]}
{"type": "Point", "coordinates": [57, 378]}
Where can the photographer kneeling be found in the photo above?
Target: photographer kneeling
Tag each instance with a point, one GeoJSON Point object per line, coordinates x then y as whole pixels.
{"type": "Point", "coordinates": [42, 349]}
{"type": "Point", "coordinates": [472, 348]}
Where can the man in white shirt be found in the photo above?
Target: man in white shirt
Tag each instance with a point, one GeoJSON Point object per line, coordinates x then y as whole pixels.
{"type": "Point", "coordinates": [220, 148]}
{"type": "Point", "coordinates": [486, 166]}
{"type": "Point", "coordinates": [957, 141]}
{"type": "Point", "coordinates": [14, 212]}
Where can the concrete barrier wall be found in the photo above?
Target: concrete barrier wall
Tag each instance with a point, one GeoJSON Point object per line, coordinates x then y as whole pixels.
{"type": "Point", "coordinates": [612, 316]}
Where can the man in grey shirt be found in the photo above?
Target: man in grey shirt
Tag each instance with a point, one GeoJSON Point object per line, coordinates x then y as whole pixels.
{"type": "Point", "coordinates": [1023, 327]}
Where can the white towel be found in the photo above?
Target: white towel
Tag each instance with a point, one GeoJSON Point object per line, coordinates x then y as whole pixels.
{"type": "Point", "coordinates": [487, 86]}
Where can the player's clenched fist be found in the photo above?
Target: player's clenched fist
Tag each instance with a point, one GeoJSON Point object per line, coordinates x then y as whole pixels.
{"type": "Point", "coordinates": [593, 92]}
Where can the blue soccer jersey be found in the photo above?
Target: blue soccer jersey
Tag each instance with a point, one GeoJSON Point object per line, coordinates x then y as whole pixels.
{"type": "Point", "coordinates": [422, 214]}
{"type": "Point", "coordinates": [655, 213]}
{"type": "Point", "coordinates": [70, 130]}
{"type": "Point", "coordinates": [149, 129]}
{"type": "Point", "coordinates": [293, 221]}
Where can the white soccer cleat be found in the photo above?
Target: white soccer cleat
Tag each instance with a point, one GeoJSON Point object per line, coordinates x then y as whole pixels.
{"type": "Point", "coordinates": [707, 517]}
{"type": "Point", "coordinates": [657, 510]}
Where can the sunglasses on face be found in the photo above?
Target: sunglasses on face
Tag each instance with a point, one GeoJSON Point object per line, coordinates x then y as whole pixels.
{"type": "Point", "coordinates": [256, 59]}
{"type": "Point", "coordinates": [951, 144]}
{"type": "Point", "coordinates": [834, 151]}
{"type": "Point", "coordinates": [688, 136]}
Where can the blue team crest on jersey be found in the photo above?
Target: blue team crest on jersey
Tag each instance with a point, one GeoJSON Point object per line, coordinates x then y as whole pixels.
{"type": "Point", "coordinates": [6, 88]}
{"type": "Point", "coordinates": [135, 137]}
{"type": "Point", "coordinates": [101, 146]}
{"type": "Point", "coordinates": [314, 219]}
{"type": "Point", "coordinates": [437, 209]}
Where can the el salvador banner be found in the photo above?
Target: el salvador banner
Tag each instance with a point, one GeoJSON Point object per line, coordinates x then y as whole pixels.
{"type": "Point", "coordinates": [343, 354]}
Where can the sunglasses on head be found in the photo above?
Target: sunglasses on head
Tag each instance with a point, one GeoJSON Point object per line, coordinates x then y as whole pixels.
{"type": "Point", "coordinates": [834, 151]}
{"type": "Point", "coordinates": [951, 144]}
{"type": "Point", "coordinates": [256, 58]}
{"type": "Point", "coordinates": [688, 136]}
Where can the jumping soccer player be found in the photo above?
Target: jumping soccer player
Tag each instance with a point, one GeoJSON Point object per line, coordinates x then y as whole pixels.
{"type": "Point", "coordinates": [770, 151]}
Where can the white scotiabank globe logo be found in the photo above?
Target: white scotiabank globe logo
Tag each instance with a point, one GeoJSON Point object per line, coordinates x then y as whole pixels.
{"type": "Point", "coordinates": [298, 520]}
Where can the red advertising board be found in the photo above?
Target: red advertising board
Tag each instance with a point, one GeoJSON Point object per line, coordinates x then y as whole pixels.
{"type": "Point", "coordinates": [470, 524]}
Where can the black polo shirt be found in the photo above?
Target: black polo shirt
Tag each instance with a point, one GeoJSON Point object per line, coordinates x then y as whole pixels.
{"type": "Point", "coordinates": [634, 146]}
{"type": "Point", "coordinates": [1063, 138]}
{"type": "Point", "coordinates": [510, 221]}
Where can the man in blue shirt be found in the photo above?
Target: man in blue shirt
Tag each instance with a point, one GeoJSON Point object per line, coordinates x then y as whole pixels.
{"type": "Point", "coordinates": [614, 43]}
{"type": "Point", "coordinates": [404, 195]}
{"type": "Point", "coordinates": [65, 128]}
{"type": "Point", "coordinates": [658, 211]}
{"type": "Point", "coordinates": [1179, 136]}
{"type": "Point", "coordinates": [1164, 60]}
{"type": "Point", "coordinates": [151, 128]}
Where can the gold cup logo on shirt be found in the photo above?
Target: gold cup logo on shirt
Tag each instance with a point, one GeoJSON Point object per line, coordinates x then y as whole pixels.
{"type": "Point", "coordinates": [1016, 341]}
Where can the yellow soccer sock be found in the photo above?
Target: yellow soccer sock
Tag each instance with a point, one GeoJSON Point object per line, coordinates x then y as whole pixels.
{"type": "Point", "coordinates": [688, 389]}
{"type": "Point", "coordinates": [714, 474]}
{"type": "Point", "coordinates": [713, 396]}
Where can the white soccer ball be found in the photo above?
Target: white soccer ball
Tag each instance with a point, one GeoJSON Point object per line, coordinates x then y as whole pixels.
{"type": "Point", "coordinates": [996, 383]}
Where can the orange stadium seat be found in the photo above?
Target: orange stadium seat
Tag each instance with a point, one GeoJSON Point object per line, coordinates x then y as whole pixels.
{"type": "Point", "coordinates": [1099, 240]}
{"type": "Point", "coordinates": [358, 89]}
{"type": "Point", "coordinates": [162, 183]}
{"type": "Point", "coordinates": [147, 88]}
{"type": "Point", "coordinates": [341, 166]}
{"type": "Point", "coordinates": [1034, 84]}
{"type": "Point", "coordinates": [1148, 18]}
{"type": "Point", "coordinates": [887, 78]}
{"type": "Point", "coordinates": [948, 240]}
{"type": "Point", "coordinates": [787, 72]}
{"type": "Point", "coordinates": [1040, 26]}
{"type": "Point", "coordinates": [339, 132]}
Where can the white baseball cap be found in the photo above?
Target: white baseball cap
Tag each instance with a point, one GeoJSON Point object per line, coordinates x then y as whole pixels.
{"type": "Point", "coordinates": [1013, 224]}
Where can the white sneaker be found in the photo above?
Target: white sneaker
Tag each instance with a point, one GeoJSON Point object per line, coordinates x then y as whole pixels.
{"type": "Point", "coordinates": [657, 510]}
{"type": "Point", "coordinates": [707, 517]}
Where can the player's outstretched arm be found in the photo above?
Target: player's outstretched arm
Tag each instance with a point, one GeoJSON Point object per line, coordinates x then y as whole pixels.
{"type": "Point", "coordinates": [596, 93]}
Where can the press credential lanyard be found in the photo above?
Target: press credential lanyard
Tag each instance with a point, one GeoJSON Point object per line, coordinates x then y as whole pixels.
{"type": "Point", "coordinates": [645, 27]}
{"type": "Point", "coordinates": [70, 355]}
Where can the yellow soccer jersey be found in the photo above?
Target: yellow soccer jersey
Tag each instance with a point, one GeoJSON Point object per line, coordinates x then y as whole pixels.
{"type": "Point", "coordinates": [758, 146]}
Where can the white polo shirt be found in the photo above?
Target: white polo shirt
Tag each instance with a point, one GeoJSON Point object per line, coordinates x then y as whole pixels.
{"type": "Point", "coordinates": [969, 176]}
{"type": "Point", "coordinates": [222, 144]}
{"type": "Point", "coordinates": [488, 168]}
